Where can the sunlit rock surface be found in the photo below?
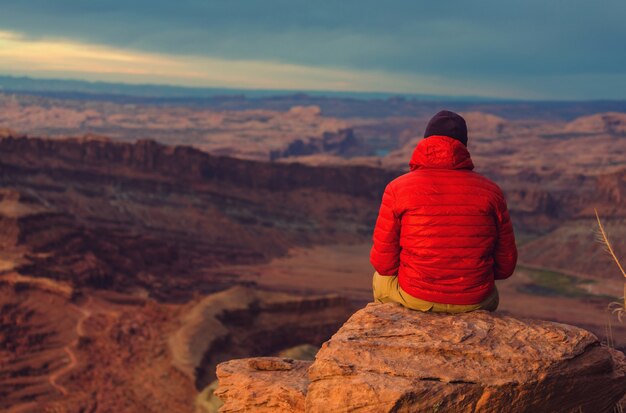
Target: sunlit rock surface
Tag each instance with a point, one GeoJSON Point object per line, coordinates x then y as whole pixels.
{"type": "Point", "coordinates": [386, 358]}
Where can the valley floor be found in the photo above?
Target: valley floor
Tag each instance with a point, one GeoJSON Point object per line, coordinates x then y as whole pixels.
{"type": "Point", "coordinates": [531, 292]}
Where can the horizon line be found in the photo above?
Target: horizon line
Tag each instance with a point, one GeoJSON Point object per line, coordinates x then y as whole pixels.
{"type": "Point", "coordinates": [248, 92]}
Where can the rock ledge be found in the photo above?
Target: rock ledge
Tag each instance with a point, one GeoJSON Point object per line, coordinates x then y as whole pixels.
{"type": "Point", "coordinates": [386, 358]}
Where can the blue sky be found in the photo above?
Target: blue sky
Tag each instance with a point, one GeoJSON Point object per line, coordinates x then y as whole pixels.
{"type": "Point", "coordinates": [549, 49]}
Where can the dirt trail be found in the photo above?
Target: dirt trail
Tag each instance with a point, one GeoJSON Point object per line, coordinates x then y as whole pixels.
{"type": "Point", "coordinates": [26, 407]}
{"type": "Point", "coordinates": [73, 361]}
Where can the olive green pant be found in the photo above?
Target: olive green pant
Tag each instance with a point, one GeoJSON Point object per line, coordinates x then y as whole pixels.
{"type": "Point", "coordinates": [387, 290]}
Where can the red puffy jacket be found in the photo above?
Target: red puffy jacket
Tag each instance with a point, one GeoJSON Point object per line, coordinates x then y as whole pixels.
{"type": "Point", "coordinates": [443, 229]}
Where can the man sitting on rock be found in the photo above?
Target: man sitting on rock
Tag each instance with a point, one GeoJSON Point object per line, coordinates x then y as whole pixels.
{"type": "Point", "coordinates": [443, 233]}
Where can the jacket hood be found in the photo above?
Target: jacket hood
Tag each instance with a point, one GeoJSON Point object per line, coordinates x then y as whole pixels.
{"type": "Point", "coordinates": [440, 152]}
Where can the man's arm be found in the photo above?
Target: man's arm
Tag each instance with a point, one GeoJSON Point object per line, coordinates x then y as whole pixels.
{"type": "Point", "coordinates": [385, 254]}
{"type": "Point", "coordinates": [505, 253]}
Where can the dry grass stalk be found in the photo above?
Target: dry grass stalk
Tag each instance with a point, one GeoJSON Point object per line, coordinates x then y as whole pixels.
{"type": "Point", "coordinates": [618, 308]}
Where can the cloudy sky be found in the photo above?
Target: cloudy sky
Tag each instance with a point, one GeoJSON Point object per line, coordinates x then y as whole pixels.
{"type": "Point", "coordinates": [544, 49]}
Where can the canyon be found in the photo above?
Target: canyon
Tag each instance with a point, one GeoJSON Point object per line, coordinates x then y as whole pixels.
{"type": "Point", "coordinates": [144, 244]}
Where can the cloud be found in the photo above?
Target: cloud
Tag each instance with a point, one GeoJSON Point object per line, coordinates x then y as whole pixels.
{"type": "Point", "coordinates": [491, 45]}
{"type": "Point", "coordinates": [21, 54]}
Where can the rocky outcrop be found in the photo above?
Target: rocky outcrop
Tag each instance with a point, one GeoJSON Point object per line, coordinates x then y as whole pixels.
{"type": "Point", "coordinates": [612, 187]}
{"type": "Point", "coordinates": [386, 358]}
{"type": "Point", "coordinates": [613, 123]}
{"type": "Point", "coordinates": [279, 385]}
{"type": "Point", "coordinates": [250, 134]}
{"type": "Point", "coordinates": [341, 143]}
{"type": "Point", "coordinates": [483, 124]}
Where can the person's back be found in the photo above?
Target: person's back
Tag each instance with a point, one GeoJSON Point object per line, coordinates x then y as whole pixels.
{"type": "Point", "coordinates": [443, 229]}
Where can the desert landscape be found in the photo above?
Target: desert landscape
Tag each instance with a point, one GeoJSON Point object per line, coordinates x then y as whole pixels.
{"type": "Point", "coordinates": [143, 243]}
{"type": "Point", "coordinates": [196, 213]}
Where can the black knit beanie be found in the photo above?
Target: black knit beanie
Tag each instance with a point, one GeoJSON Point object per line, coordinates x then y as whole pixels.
{"type": "Point", "coordinates": [446, 123]}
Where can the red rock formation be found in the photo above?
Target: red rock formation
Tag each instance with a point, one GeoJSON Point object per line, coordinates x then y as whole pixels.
{"type": "Point", "coordinates": [242, 322]}
{"type": "Point", "coordinates": [387, 358]}
{"type": "Point", "coordinates": [127, 216]}
{"type": "Point", "coordinates": [613, 123]}
{"type": "Point", "coordinates": [612, 188]}
{"type": "Point", "coordinates": [110, 352]}
{"type": "Point", "coordinates": [110, 159]}
{"type": "Point", "coordinates": [481, 125]}
{"type": "Point", "coordinates": [341, 143]}
{"type": "Point", "coordinates": [249, 134]}
{"type": "Point", "coordinates": [279, 385]}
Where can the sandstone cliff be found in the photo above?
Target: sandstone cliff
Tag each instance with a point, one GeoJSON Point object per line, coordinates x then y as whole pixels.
{"type": "Point", "coordinates": [609, 122]}
{"type": "Point", "coordinates": [340, 143]}
{"type": "Point", "coordinates": [122, 216]}
{"type": "Point", "coordinates": [244, 321]}
{"type": "Point", "coordinates": [386, 358]}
